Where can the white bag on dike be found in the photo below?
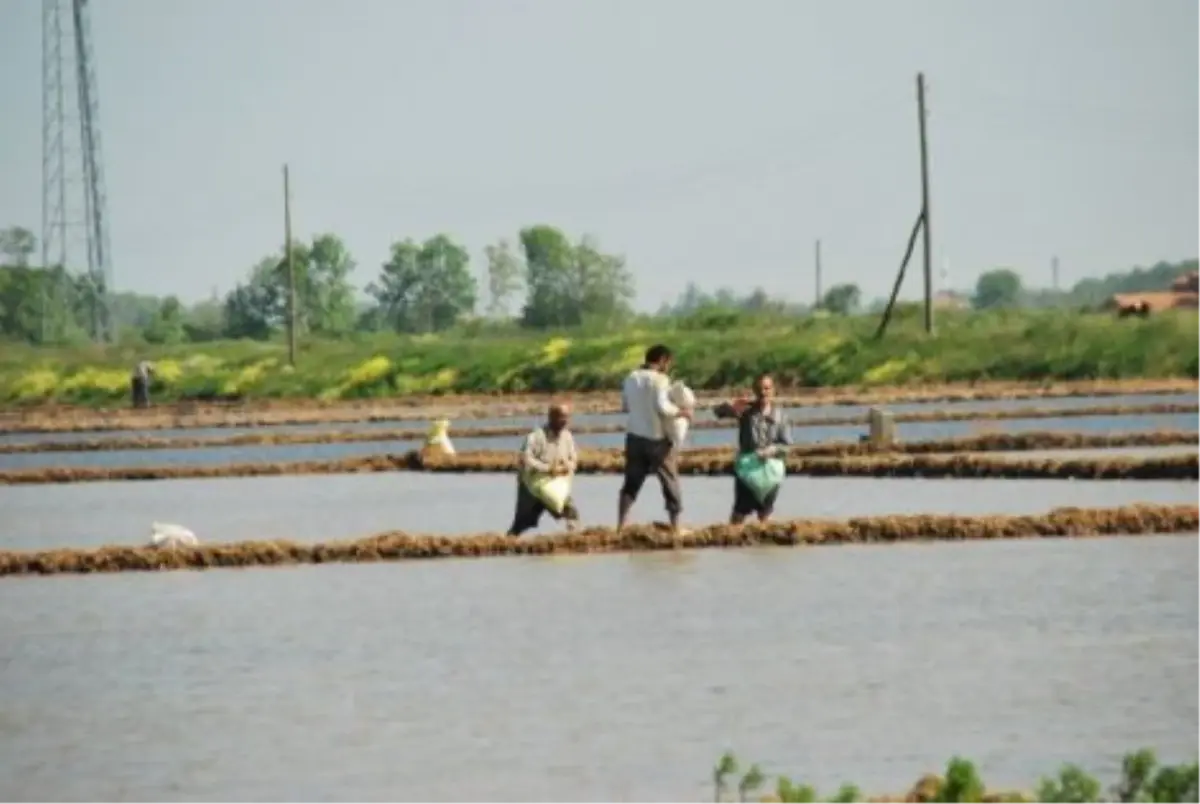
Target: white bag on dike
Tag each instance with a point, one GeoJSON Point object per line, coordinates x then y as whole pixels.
{"type": "Point", "coordinates": [438, 438]}
{"type": "Point", "coordinates": [681, 397]}
{"type": "Point", "coordinates": [163, 534]}
{"type": "Point", "coordinates": [552, 491]}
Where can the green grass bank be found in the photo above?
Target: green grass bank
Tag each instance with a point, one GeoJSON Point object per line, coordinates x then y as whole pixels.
{"type": "Point", "coordinates": [713, 350]}
{"type": "Point", "coordinates": [1142, 778]}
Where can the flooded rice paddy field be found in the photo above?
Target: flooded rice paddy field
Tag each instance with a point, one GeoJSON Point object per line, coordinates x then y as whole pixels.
{"type": "Point", "coordinates": [798, 413]}
{"type": "Point", "coordinates": [321, 508]}
{"type": "Point", "coordinates": [910, 431]}
{"type": "Point", "coordinates": [614, 678]}
{"type": "Point", "coordinates": [619, 677]}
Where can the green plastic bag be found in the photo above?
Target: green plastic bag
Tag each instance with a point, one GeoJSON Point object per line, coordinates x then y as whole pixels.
{"type": "Point", "coordinates": [760, 476]}
{"type": "Point", "coordinates": [552, 491]}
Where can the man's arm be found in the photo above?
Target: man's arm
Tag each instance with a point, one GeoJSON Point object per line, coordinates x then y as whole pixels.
{"type": "Point", "coordinates": [533, 453]}
{"type": "Point", "coordinates": [663, 403]}
{"type": "Point", "coordinates": [725, 410]}
{"type": "Point", "coordinates": [570, 456]}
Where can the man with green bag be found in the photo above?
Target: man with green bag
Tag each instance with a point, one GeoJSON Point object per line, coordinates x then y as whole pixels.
{"type": "Point", "coordinates": [548, 463]}
{"type": "Point", "coordinates": [764, 435]}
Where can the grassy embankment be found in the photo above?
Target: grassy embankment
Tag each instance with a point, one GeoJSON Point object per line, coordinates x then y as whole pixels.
{"type": "Point", "coordinates": [1131, 520]}
{"type": "Point", "coordinates": [714, 351]}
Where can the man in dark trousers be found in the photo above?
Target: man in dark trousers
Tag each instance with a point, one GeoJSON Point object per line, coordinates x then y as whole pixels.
{"type": "Point", "coordinates": [763, 429]}
{"type": "Point", "coordinates": [140, 383]}
{"type": "Point", "coordinates": [648, 450]}
{"type": "Point", "coordinates": [548, 450]}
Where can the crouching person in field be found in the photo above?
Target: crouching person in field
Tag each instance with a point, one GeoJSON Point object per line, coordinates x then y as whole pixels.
{"type": "Point", "coordinates": [763, 438]}
{"type": "Point", "coordinates": [548, 463]}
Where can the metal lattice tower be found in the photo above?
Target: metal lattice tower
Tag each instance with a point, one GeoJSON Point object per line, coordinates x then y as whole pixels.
{"type": "Point", "coordinates": [74, 208]}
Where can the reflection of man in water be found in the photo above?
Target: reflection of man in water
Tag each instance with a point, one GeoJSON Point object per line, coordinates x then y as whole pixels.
{"type": "Point", "coordinates": [547, 450]}
{"type": "Point", "coordinates": [763, 430]}
{"type": "Point", "coordinates": [140, 383]}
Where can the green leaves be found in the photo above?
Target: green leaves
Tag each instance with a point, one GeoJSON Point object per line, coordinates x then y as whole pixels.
{"type": "Point", "coordinates": [426, 287]}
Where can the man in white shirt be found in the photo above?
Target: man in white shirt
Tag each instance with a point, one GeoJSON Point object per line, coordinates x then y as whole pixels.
{"type": "Point", "coordinates": [648, 450]}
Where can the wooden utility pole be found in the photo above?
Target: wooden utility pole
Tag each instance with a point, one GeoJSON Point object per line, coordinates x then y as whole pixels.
{"type": "Point", "coordinates": [291, 267]}
{"type": "Point", "coordinates": [927, 226]}
{"type": "Point", "coordinates": [817, 255]}
{"type": "Point", "coordinates": [1054, 272]}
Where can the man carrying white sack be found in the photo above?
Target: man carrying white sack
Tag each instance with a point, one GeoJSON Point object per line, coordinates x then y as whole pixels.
{"type": "Point", "coordinates": [548, 463]}
{"type": "Point", "coordinates": [649, 449]}
{"type": "Point", "coordinates": [763, 438]}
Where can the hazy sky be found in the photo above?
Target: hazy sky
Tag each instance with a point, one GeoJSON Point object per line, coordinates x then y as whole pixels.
{"type": "Point", "coordinates": [705, 140]}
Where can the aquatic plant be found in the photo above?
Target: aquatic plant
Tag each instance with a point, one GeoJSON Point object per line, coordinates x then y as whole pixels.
{"type": "Point", "coordinates": [1142, 779]}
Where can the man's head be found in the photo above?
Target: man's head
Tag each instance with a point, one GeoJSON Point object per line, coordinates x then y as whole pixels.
{"type": "Point", "coordinates": [764, 387]}
{"type": "Point", "coordinates": [659, 357]}
{"type": "Point", "coordinates": [558, 417]}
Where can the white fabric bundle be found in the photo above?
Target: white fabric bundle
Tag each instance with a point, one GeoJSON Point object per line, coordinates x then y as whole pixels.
{"type": "Point", "coordinates": [682, 397]}
{"type": "Point", "coordinates": [167, 535]}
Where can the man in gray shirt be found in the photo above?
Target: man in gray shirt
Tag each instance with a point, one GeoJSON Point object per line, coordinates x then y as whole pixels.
{"type": "Point", "coordinates": [139, 382]}
{"type": "Point", "coordinates": [763, 430]}
{"type": "Point", "coordinates": [547, 450]}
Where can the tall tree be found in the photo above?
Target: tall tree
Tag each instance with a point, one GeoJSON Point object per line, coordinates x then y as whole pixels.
{"type": "Point", "coordinates": [504, 271]}
{"type": "Point", "coordinates": [254, 308]}
{"type": "Point", "coordinates": [997, 288]}
{"type": "Point", "coordinates": [167, 326]}
{"type": "Point", "coordinates": [325, 296]}
{"type": "Point", "coordinates": [427, 287]}
{"type": "Point", "coordinates": [569, 283]}
{"type": "Point", "coordinates": [17, 245]}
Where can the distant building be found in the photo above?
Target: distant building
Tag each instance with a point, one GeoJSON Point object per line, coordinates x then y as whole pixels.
{"type": "Point", "coordinates": [1184, 294]}
{"type": "Point", "coordinates": [951, 300]}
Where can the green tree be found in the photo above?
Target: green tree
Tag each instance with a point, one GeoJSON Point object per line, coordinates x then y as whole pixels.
{"type": "Point", "coordinates": [567, 283]}
{"type": "Point", "coordinates": [17, 245]}
{"type": "Point", "coordinates": [325, 298]}
{"type": "Point", "coordinates": [842, 299]}
{"type": "Point", "coordinates": [167, 326]}
{"type": "Point", "coordinates": [997, 288]}
{"type": "Point", "coordinates": [204, 322]}
{"type": "Point", "coordinates": [504, 271]}
{"type": "Point", "coordinates": [254, 308]}
{"type": "Point", "coordinates": [425, 288]}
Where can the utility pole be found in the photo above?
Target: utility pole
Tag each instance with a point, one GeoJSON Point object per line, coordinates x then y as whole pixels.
{"type": "Point", "coordinates": [291, 267]}
{"type": "Point", "coordinates": [1054, 272]}
{"type": "Point", "coordinates": [927, 239]}
{"type": "Point", "coordinates": [817, 255]}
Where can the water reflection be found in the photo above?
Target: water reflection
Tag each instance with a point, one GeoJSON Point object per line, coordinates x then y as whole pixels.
{"type": "Point", "coordinates": [600, 678]}
{"type": "Point", "coordinates": [314, 508]}
{"type": "Point", "coordinates": [912, 431]}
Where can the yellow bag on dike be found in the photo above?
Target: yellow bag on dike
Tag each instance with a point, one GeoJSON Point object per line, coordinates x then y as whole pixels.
{"type": "Point", "coordinates": [438, 438]}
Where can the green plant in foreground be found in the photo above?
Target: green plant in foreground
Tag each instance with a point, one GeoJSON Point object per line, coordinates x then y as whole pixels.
{"type": "Point", "coordinates": [1142, 780]}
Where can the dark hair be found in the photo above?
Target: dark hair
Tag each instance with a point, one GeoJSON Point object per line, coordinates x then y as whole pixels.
{"type": "Point", "coordinates": [657, 353]}
{"type": "Point", "coordinates": [763, 375]}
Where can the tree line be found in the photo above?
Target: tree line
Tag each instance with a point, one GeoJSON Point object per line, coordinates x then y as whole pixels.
{"type": "Point", "coordinates": [543, 279]}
